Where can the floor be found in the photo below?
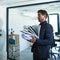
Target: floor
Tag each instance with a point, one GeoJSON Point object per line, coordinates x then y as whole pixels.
{"type": "Point", "coordinates": [27, 55]}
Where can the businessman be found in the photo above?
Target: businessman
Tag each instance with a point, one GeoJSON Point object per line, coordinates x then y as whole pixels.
{"type": "Point", "coordinates": [42, 45]}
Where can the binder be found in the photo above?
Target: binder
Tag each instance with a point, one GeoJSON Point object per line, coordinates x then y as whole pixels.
{"type": "Point", "coordinates": [30, 31]}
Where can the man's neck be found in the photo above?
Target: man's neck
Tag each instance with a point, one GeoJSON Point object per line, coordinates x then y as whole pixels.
{"type": "Point", "coordinates": [43, 21]}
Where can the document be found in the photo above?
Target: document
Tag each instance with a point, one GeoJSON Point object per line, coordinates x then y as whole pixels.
{"type": "Point", "coordinates": [30, 31]}
{"type": "Point", "coordinates": [28, 35]}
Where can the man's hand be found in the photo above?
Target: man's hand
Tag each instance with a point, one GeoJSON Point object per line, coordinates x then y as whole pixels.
{"type": "Point", "coordinates": [33, 40]}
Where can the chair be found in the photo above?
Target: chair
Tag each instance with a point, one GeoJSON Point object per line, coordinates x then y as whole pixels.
{"type": "Point", "coordinates": [53, 53]}
{"type": "Point", "coordinates": [58, 40]}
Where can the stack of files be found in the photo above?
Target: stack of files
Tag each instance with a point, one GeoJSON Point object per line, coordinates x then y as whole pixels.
{"type": "Point", "coordinates": [30, 31]}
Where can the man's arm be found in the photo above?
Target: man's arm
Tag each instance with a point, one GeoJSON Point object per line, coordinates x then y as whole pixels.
{"type": "Point", "coordinates": [47, 41]}
{"type": "Point", "coordinates": [49, 37]}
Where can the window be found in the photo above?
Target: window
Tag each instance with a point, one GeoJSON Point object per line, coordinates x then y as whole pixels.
{"type": "Point", "coordinates": [53, 20]}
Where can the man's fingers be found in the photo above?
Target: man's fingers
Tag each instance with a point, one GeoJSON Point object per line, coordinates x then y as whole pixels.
{"type": "Point", "coordinates": [29, 40]}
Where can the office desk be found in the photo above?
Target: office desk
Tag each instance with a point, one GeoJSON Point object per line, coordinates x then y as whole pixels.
{"type": "Point", "coordinates": [57, 41]}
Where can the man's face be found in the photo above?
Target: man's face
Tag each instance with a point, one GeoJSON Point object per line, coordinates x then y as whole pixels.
{"type": "Point", "coordinates": [41, 17]}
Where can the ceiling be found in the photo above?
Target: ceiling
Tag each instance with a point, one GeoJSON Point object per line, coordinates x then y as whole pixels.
{"type": "Point", "coordinates": [9, 2]}
{"type": "Point", "coordinates": [31, 11]}
{"type": "Point", "coordinates": [52, 7]}
{"type": "Point", "coordinates": [5, 2]}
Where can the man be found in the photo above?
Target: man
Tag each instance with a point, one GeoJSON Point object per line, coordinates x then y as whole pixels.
{"type": "Point", "coordinates": [42, 45]}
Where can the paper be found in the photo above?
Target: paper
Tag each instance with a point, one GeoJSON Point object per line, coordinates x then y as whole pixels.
{"type": "Point", "coordinates": [30, 31]}
{"type": "Point", "coordinates": [27, 35]}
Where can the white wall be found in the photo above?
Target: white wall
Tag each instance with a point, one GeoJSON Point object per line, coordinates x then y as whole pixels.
{"type": "Point", "coordinates": [3, 27]}
{"type": "Point", "coordinates": [17, 2]}
{"type": "Point", "coordinates": [3, 18]}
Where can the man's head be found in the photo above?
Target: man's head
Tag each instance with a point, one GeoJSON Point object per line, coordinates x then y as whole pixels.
{"type": "Point", "coordinates": [42, 15]}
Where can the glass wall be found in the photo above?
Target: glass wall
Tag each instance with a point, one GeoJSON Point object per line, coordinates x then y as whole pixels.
{"type": "Point", "coordinates": [26, 15]}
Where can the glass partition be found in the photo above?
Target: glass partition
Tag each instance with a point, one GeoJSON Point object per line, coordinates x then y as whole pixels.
{"type": "Point", "coordinates": [25, 15]}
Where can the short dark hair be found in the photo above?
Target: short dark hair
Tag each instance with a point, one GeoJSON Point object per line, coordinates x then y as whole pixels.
{"type": "Point", "coordinates": [43, 12]}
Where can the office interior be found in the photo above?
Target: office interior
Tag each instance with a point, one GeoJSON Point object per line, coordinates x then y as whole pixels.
{"type": "Point", "coordinates": [14, 15]}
